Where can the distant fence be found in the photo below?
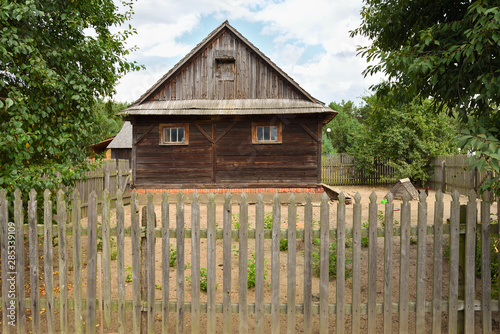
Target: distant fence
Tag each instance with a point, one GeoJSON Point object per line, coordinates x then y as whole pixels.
{"type": "Point", "coordinates": [451, 172]}
{"type": "Point", "coordinates": [316, 312]}
{"type": "Point", "coordinates": [113, 175]}
{"type": "Point", "coordinates": [340, 169]}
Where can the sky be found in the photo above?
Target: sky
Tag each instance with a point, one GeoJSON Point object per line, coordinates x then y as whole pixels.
{"type": "Point", "coordinates": [309, 40]}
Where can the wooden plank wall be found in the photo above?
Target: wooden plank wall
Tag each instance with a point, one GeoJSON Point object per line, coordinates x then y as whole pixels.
{"type": "Point", "coordinates": [325, 313]}
{"type": "Point", "coordinates": [230, 158]}
{"type": "Point", "coordinates": [249, 76]}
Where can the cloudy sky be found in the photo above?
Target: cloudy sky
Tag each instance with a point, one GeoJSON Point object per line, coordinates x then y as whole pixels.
{"type": "Point", "coordinates": [309, 40]}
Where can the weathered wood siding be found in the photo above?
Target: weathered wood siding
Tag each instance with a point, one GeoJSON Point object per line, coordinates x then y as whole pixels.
{"type": "Point", "coordinates": [157, 165]}
{"type": "Point", "coordinates": [248, 76]}
{"type": "Point", "coordinates": [228, 157]}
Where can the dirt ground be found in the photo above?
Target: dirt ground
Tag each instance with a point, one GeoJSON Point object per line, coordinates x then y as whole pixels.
{"type": "Point", "coordinates": [364, 191]}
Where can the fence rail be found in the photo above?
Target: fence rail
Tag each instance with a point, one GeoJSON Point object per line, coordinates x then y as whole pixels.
{"type": "Point", "coordinates": [139, 312]}
{"type": "Point", "coordinates": [340, 169]}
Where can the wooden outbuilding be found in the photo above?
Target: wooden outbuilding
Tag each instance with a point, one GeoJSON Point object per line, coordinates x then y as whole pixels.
{"type": "Point", "coordinates": [404, 186]}
{"type": "Point", "coordinates": [121, 145]}
{"type": "Point", "coordinates": [226, 116]}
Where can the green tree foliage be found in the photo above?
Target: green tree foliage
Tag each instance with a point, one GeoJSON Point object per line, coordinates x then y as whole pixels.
{"type": "Point", "coordinates": [108, 123]}
{"type": "Point", "coordinates": [407, 136]}
{"type": "Point", "coordinates": [57, 58]}
{"type": "Point", "coordinates": [446, 50]}
{"type": "Point", "coordinates": [343, 128]}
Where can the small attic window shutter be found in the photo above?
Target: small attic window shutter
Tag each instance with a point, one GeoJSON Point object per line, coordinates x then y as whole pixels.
{"type": "Point", "coordinates": [225, 73]}
{"type": "Point", "coordinates": [225, 55]}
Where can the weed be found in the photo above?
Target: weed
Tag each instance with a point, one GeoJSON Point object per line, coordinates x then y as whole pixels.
{"type": "Point", "coordinates": [173, 257]}
{"type": "Point", "coordinates": [158, 286]}
{"type": "Point", "coordinates": [332, 261]}
{"type": "Point", "coordinates": [268, 221]}
{"type": "Point", "coordinates": [114, 249]}
{"type": "Point", "coordinates": [364, 239]}
{"type": "Point", "coordinates": [251, 271]}
{"type": "Point", "coordinates": [203, 279]}
{"type": "Point", "coordinates": [128, 278]}
{"type": "Point", "coordinates": [236, 221]}
{"type": "Point", "coordinates": [283, 244]}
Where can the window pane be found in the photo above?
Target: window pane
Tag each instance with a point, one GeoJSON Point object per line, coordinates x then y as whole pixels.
{"type": "Point", "coordinates": [173, 135]}
{"type": "Point", "coordinates": [260, 133]}
{"type": "Point", "coordinates": [180, 135]}
{"type": "Point", "coordinates": [274, 133]}
{"type": "Point", "coordinates": [166, 135]}
{"type": "Point", "coordinates": [267, 134]}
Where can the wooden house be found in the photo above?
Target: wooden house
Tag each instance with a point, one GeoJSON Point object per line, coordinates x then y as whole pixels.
{"type": "Point", "coordinates": [226, 116]}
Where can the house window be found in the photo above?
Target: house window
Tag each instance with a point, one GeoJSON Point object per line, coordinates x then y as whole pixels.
{"type": "Point", "coordinates": [174, 134]}
{"type": "Point", "coordinates": [266, 133]}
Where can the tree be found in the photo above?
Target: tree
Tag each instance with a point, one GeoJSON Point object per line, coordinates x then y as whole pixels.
{"type": "Point", "coordinates": [446, 50]}
{"type": "Point", "coordinates": [57, 58]}
{"type": "Point", "coordinates": [109, 124]}
{"type": "Point", "coordinates": [343, 128]}
{"type": "Point", "coordinates": [406, 136]}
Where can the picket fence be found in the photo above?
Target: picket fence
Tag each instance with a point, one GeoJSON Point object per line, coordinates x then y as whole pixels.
{"type": "Point", "coordinates": [140, 313]}
{"type": "Point", "coordinates": [452, 172]}
{"type": "Point", "coordinates": [340, 169]}
{"type": "Point", "coordinates": [114, 174]}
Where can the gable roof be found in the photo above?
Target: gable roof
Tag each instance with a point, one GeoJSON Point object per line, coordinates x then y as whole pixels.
{"type": "Point", "coordinates": [300, 101]}
{"type": "Point", "coordinates": [124, 138]}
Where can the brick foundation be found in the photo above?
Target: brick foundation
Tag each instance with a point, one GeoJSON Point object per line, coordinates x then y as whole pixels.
{"type": "Point", "coordinates": [233, 190]}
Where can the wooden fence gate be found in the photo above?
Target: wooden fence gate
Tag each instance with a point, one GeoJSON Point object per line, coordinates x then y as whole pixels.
{"type": "Point", "coordinates": [85, 291]}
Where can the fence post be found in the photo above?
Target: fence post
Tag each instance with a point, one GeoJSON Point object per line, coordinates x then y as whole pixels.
{"type": "Point", "coordinates": [4, 221]}
{"type": "Point", "coordinates": [461, 269]}
{"type": "Point", "coordinates": [473, 179]}
{"type": "Point", "coordinates": [143, 261]}
{"type": "Point", "coordinates": [443, 176]}
{"type": "Point", "coordinates": [180, 262]}
{"type": "Point", "coordinates": [106, 176]}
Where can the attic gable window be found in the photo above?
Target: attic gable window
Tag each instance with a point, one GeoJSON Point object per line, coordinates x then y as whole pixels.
{"type": "Point", "coordinates": [266, 133]}
{"type": "Point", "coordinates": [174, 134]}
